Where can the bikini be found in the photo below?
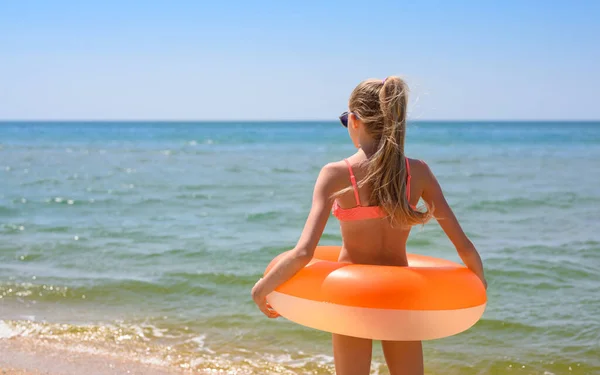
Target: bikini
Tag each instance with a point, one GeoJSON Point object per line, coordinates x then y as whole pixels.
{"type": "Point", "coordinates": [364, 212]}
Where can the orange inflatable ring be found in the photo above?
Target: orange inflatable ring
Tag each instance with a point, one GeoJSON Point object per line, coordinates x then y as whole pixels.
{"type": "Point", "coordinates": [431, 298]}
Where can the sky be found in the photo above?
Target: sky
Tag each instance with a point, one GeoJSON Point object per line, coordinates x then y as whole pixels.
{"type": "Point", "coordinates": [280, 60]}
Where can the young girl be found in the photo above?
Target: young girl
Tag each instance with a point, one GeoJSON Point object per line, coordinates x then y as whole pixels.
{"type": "Point", "coordinates": [373, 194]}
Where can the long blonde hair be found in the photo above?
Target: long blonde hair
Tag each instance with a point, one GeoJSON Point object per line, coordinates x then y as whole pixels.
{"type": "Point", "coordinates": [381, 106]}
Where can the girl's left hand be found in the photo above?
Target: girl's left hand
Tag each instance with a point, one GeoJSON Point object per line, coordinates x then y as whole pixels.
{"type": "Point", "coordinates": [261, 302]}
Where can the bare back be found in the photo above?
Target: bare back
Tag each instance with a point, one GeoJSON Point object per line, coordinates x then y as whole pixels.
{"type": "Point", "coordinates": [375, 241]}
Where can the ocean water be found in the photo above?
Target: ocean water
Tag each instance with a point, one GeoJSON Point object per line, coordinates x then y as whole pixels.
{"type": "Point", "coordinates": [144, 239]}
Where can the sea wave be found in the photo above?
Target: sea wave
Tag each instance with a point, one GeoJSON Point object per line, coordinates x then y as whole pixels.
{"type": "Point", "coordinates": [106, 290]}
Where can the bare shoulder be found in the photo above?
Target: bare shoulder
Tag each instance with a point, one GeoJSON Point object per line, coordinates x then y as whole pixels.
{"type": "Point", "coordinates": [419, 169]}
{"type": "Point", "coordinates": [328, 182]}
{"type": "Point", "coordinates": [334, 170]}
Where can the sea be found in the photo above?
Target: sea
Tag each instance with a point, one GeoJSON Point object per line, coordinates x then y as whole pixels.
{"type": "Point", "coordinates": [143, 240]}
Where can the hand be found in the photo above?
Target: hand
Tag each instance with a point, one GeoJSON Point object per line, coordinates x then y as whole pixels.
{"type": "Point", "coordinates": [261, 302]}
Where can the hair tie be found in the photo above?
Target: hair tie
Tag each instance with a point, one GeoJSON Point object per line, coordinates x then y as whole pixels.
{"type": "Point", "coordinates": [384, 80]}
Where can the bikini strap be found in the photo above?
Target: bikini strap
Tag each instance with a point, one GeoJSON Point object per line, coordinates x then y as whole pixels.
{"type": "Point", "coordinates": [407, 179]}
{"type": "Point", "coordinates": [353, 180]}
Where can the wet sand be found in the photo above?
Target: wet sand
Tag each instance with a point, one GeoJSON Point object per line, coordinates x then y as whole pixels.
{"type": "Point", "coordinates": [22, 356]}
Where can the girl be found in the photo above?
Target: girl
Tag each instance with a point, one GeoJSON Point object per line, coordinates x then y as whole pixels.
{"type": "Point", "coordinates": [373, 194]}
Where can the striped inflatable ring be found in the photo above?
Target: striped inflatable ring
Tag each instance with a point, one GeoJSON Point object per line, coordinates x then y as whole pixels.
{"type": "Point", "coordinates": [430, 299]}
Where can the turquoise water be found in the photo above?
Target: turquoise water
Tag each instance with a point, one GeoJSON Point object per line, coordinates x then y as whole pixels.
{"type": "Point", "coordinates": [145, 239]}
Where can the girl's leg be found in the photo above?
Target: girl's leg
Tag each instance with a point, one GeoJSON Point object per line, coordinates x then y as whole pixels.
{"type": "Point", "coordinates": [352, 355]}
{"type": "Point", "coordinates": [403, 357]}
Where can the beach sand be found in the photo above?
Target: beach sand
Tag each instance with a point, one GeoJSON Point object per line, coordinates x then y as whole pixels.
{"type": "Point", "coordinates": [22, 356]}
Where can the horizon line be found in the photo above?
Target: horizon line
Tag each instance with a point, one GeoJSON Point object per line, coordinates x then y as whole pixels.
{"type": "Point", "coordinates": [282, 120]}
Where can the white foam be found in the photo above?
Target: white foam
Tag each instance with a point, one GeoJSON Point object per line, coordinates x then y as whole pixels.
{"type": "Point", "coordinates": [6, 331]}
{"type": "Point", "coordinates": [199, 340]}
{"type": "Point", "coordinates": [158, 332]}
{"type": "Point", "coordinates": [323, 359]}
{"type": "Point", "coordinates": [281, 358]}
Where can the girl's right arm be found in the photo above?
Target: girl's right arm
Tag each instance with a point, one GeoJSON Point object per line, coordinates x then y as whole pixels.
{"type": "Point", "coordinates": [434, 197]}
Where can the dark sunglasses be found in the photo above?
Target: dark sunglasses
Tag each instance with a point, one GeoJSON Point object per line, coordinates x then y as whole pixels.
{"type": "Point", "coordinates": [344, 118]}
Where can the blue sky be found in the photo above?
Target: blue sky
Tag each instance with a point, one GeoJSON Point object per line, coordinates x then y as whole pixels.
{"type": "Point", "coordinates": [198, 60]}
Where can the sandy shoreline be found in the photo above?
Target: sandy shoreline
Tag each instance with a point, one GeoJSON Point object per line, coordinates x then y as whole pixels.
{"type": "Point", "coordinates": [22, 356]}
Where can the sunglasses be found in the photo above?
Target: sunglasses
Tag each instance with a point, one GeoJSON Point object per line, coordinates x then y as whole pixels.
{"type": "Point", "coordinates": [344, 118]}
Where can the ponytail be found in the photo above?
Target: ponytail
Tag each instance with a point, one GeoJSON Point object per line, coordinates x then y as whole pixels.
{"type": "Point", "coordinates": [382, 106]}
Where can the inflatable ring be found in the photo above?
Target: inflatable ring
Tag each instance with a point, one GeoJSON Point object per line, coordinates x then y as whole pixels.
{"type": "Point", "coordinates": [430, 299]}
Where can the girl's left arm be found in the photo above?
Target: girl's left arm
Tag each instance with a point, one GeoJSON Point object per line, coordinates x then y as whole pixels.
{"type": "Point", "coordinates": [299, 257]}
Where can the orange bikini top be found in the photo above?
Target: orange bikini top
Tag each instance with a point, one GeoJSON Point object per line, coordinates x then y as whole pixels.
{"type": "Point", "coordinates": [364, 212]}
